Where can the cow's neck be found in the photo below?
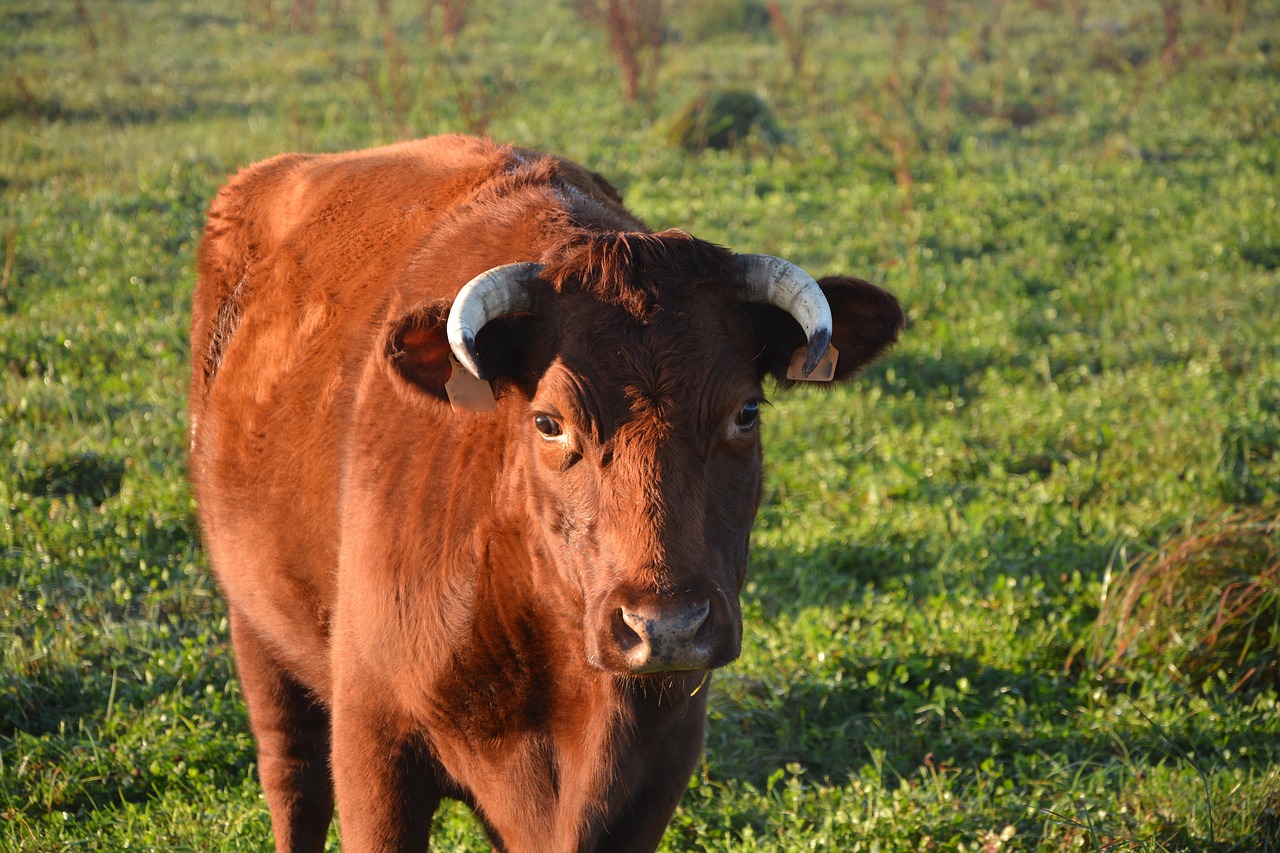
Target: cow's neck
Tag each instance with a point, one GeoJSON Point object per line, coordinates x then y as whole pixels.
{"type": "Point", "coordinates": [585, 745]}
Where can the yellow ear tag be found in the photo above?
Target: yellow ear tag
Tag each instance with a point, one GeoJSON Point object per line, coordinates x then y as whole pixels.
{"type": "Point", "coordinates": [466, 392]}
{"type": "Point", "coordinates": [823, 372]}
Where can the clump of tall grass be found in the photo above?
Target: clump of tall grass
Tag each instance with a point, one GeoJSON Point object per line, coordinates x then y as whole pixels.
{"type": "Point", "coordinates": [1205, 605]}
{"type": "Point", "coordinates": [725, 119]}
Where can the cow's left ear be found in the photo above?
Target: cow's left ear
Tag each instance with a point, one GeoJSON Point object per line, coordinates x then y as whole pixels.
{"type": "Point", "coordinates": [419, 362]}
{"type": "Point", "coordinates": [866, 321]}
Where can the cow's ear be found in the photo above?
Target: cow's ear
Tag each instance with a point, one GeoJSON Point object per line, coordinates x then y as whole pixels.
{"type": "Point", "coordinates": [417, 357]}
{"type": "Point", "coordinates": [415, 352]}
{"type": "Point", "coordinates": [866, 321]}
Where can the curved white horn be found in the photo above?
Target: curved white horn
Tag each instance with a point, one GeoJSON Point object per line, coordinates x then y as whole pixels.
{"type": "Point", "coordinates": [491, 294]}
{"type": "Point", "coordinates": [774, 281]}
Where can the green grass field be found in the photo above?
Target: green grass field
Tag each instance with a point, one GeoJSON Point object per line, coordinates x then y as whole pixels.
{"type": "Point", "coordinates": [946, 646]}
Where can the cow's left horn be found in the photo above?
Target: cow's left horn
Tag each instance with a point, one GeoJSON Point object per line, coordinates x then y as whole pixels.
{"type": "Point", "coordinates": [491, 294]}
{"type": "Point", "coordinates": [774, 281]}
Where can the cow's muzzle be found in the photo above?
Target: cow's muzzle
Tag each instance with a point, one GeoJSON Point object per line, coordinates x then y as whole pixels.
{"type": "Point", "coordinates": [667, 639]}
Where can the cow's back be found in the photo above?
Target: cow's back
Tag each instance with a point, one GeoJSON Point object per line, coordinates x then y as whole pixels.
{"type": "Point", "coordinates": [300, 259]}
{"type": "Point", "coordinates": [298, 240]}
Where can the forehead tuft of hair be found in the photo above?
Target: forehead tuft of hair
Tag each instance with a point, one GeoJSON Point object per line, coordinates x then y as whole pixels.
{"type": "Point", "coordinates": [637, 271]}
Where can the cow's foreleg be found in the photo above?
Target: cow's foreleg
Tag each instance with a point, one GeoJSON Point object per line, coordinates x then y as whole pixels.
{"type": "Point", "coordinates": [292, 731]}
{"type": "Point", "coordinates": [386, 783]}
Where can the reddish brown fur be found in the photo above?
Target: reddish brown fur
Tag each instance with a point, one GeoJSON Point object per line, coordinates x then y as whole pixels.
{"type": "Point", "coordinates": [426, 604]}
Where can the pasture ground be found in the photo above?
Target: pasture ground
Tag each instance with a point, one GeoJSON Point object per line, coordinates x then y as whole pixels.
{"type": "Point", "coordinates": [1077, 203]}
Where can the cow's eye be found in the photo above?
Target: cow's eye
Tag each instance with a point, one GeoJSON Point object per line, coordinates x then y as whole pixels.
{"type": "Point", "coordinates": [548, 426]}
{"type": "Point", "coordinates": [747, 417]}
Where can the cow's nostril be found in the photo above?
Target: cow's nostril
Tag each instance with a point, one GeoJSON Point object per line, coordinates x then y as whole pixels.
{"type": "Point", "coordinates": [706, 632]}
{"type": "Point", "coordinates": [628, 630]}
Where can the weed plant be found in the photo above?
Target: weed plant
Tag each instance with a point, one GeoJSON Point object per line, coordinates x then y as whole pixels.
{"type": "Point", "coordinates": [1076, 202]}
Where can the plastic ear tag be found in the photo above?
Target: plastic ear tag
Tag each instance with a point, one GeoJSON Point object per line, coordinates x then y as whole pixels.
{"type": "Point", "coordinates": [466, 392]}
{"type": "Point", "coordinates": [823, 372]}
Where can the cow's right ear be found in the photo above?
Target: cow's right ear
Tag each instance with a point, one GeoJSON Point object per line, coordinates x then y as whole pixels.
{"type": "Point", "coordinates": [415, 353]}
{"type": "Point", "coordinates": [419, 362]}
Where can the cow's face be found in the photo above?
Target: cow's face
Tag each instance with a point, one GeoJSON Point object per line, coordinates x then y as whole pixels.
{"type": "Point", "coordinates": [631, 395]}
{"type": "Point", "coordinates": [641, 446]}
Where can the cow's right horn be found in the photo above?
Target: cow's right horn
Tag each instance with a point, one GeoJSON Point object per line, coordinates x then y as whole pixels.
{"type": "Point", "coordinates": [491, 294]}
{"type": "Point", "coordinates": [773, 281]}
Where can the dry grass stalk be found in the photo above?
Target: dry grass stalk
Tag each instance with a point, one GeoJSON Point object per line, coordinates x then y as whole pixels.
{"type": "Point", "coordinates": [1207, 602]}
{"type": "Point", "coordinates": [795, 38]}
{"type": "Point", "coordinates": [453, 17]}
{"type": "Point", "coordinates": [635, 31]}
{"type": "Point", "coordinates": [480, 98]}
{"type": "Point", "coordinates": [302, 16]}
{"type": "Point", "coordinates": [85, 24]}
{"type": "Point", "coordinates": [261, 13]}
{"type": "Point", "coordinates": [1172, 29]}
{"type": "Point", "coordinates": [10, 253]}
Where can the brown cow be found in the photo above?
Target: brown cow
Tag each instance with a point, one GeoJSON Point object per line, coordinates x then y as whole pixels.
{"type": "Point", "coordinates": [517, 607]}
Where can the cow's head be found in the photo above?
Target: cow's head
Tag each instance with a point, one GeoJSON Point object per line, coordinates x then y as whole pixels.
{"type": "Point", "coordinates": [632, 367]}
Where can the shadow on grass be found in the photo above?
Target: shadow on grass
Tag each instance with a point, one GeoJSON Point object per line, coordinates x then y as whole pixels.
{"type": "Point", "coordinates": [76, 739]}
{"type": "Point", "coordinates": [931, 712]}
{"type": "Point", "coordinates": [921, 372]}
{"type": "Point", "coordinates": [835, 571]}
{"type": "Point", "coordinates": [46, 107]}
{"type": "Point", "coordinates": [49, 699]}
{"type": "Point", "coordinates": [921, 567]}
{"type": "Point", "coordinates": [904, 710]}
{"type": "Point", "coordinates": [950, 728]}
